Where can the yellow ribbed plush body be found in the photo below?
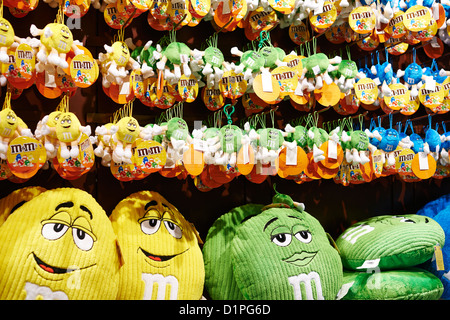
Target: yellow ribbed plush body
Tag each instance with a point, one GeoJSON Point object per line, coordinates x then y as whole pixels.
{"type": "Point", "coordinates": [162, 257]}
{"type": "Point", "coordinates": [59, 245]}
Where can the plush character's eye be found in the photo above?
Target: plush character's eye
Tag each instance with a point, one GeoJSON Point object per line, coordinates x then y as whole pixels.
{"type": "Point", "coordinates": [407, 220]}
{"type": "Point", "coordinates": [173, 229]}
{"type": "Point", "coordinates": [82, 239]}
{"type": "Point", "coordinates": [304, 236]}
{"type": "Point", "coordinates": [282, 239]}
{"type": "Point", "coordinates": [53, 231]}
{"type": "Point", "coordinates": [150, 226]}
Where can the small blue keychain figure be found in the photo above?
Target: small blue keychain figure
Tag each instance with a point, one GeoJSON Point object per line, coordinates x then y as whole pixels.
{"type": "Point", "coordinates": [432, 140]}
{"type": "Point", "coordinates": [389, 142]}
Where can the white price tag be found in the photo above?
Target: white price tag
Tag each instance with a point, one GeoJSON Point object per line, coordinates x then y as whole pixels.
{"type": "Point", "coordinates": [50, 80]}
{"type": "Point", "coordinates": [291, 156]}
{"type": "Point", "coordinates": [332, 149]}
{"type": "Point", "coordinates": [125, 88]}
{"type": "Point", "coordinates": [423, 161]}
{"type": "Point", "coordinates": [246, 158]}
{"type": "Point", "coordinates": [199, 145]}
{"type": "Point", "coordinates": [266, 79]}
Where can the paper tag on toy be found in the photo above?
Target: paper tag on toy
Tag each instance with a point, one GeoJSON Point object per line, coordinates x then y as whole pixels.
{"type": "Point", "coordinates": [49, 80]}
{"type": "Point", "coordinates": [212, 98]}
{"type": "Point", "coordinates": [125, 88]}
{"type": "Point", "coordinates": [266, 79]}
{"type": "Point", "coordinates": [403, 165]}
{"type": "Point", "coordinates": [430, 84]}
{"type": "Point", "coordinates": [188, 88]}
{"type": "Point", "coordinates": [291, 156]}
{"type": "Point", "coordinates": [232, 85]}
{"type": "Point", "coordinates": [287, 79]}
{"type": "Point", "coordinates": [299, 33]}
{"type": "Point", "coordinates": [400, 96]}
{"type": "Point", "coordinates": [366, 90]}
{"type": "Point", "coordinates": [199, 145]}
{"type": "Point", "coordinates": [362, 20]}
{"type": "Point", "coordinates": [137, 83]}
{"type": "Point", "coordinates": [423, 161]}
{"type": "Point", "coordinates": [23, 156]}
{"type": "Point", "coordinates": [149, 156]}
{"type": "Point", "coordinates": [326, 18]}
{"type": "Point", "coordinates": [261, 19]}
{"type": "Point", "coordinates": [438, 257]}
{"type": "Point", "coordinates": [25, 62]}
{"type": "Point", "coordinates": [395, 27]}
{"type": "Point", "coordinates": [332, 149]}
{"type": "Point", "coordinates": [245, 155]}
{"type": "Point", "coordinates": [431, 97]}
{"type": "Point", "coordinates": [83, 71]}
{"type": "Point", "coordinates": [417, 18]}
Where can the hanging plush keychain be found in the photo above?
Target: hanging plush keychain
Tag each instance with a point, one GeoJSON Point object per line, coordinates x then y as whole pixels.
{"type": "Point", "coordinates": [11, 126]}
{"type": "Point", "coordinates": [347, 71]}
{"type": "Point", "coordinates": [117, 61]}
{"type": "Point", "coordinates": [212, 60]}
{"type": "Point", "coordinates": [412, 76]}
{"type": "Point", "coordinates": [56, 40]}
{"type": "Point", "coordinates": [67, 128]}
{"type": "Point", "coordinates": [176, 54]}
{"type": "Point", "coordinates": [124, 131]}
{"type": "Point", "coordinates": [7, 37]}
{"type": "Point", "coordinates": [316, 68]}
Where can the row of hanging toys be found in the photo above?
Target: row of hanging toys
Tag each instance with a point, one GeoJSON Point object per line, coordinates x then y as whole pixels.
{"type": "Point", "coordinates": [66, 143]}
{"type": "Point", "coordinates": [128, 148]}
{"type": "Point", "coordinates": [21, 155]}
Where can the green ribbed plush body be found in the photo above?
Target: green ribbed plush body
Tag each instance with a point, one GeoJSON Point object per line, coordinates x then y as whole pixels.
{"type": "Point", "coordinates": [405, 284]}
{"type": "Point", "coordinates": [285, 254]}
{"type": "Point", "coordinates": [219, 278]}
{"type": "Point", "coordinates": [389, 242]}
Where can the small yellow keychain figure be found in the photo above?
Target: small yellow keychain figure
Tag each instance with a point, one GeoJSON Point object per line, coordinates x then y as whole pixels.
{"type": "Point", "coordinates": [56, 40]}
{"type": "Point", "coordinates": [116, 61]}
{"type": "Point", "coordinates": [68, 130]}
{"type": "Point", "coordinates": [11, 126]}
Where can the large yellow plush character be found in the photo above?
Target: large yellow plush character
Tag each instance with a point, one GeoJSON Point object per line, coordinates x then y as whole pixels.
{"type": "Point", "coordinates": [16, 199]}
{"type": "Point", "coordinates": [59, 245]}
{"type": "Point", "coordinates": [162, 257]}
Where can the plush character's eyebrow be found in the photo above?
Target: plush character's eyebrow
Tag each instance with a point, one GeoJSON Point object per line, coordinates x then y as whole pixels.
{"type": "Point", "coordinates": [87, 210]}
{"type": "Point", "coordinates": [17, 206]}
{"type": "Point", "coordinates": [150, 204]}
{"type": "Point", "coordinates": [164, 205]}
{"type": "Point", "coordinates": [294, 217]}
{"type": "Point", "coordinates": [269, 222]}
{"type": "Point", "coordinates": [68, 204]}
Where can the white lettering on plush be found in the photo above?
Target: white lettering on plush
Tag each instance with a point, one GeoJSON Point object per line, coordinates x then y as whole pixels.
{"type": "Point", "coordinates": [35, 292]}
{"type": "Point", "coordinates": [306, 279]}
{"type": "Point", "coordinates": [162, 282]}
{"type": "Point", "coordinates": [355, 233]}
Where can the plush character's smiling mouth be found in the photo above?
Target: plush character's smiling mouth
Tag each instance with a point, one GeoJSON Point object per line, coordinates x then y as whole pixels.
{"type": "Point", "coordinates": [55, 270]}
{"type": "Point", "coordinates": [160, 258]}
{"type": "Point", "coordinates": [301, 259]}
{"type": "Point", "coordinates": [49, 268]}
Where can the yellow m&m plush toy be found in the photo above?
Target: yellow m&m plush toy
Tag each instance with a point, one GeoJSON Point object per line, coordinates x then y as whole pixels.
{"type": "Point", "coordinates": [162, 257]}
{"type": "Point", "coordinates": [16, 199]}
{"type": "Point", "coordinates": [59, 245]}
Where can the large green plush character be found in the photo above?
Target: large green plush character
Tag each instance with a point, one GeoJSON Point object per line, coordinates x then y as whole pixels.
{"type": "Point", "coordinates": [219, 277]}
{"type": "Point", "coordinates": [284, 253]}
{"type": "Point", "coordinates": [271, 252]}
{"type": "Point", "coordinates": [389, 242]}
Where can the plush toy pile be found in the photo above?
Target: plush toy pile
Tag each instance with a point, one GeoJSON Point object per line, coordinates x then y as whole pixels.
{"type": "Point", "coordinates": [381, 256]}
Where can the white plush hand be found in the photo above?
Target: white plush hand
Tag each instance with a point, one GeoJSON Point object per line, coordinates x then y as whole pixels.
{"type": "Point", "coordinates": [113, 129]}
